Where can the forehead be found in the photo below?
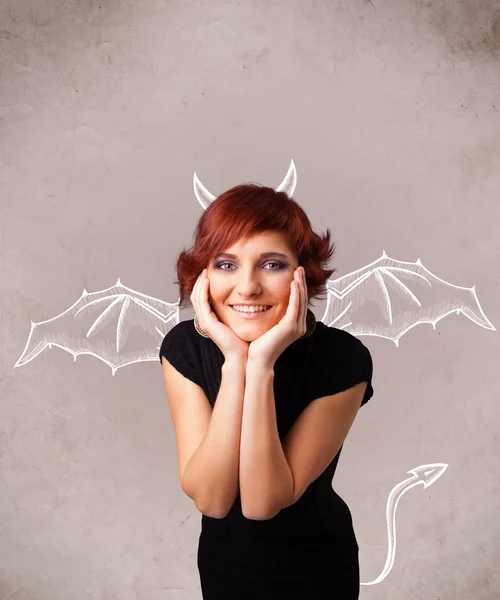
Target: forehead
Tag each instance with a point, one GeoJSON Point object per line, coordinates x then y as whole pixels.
{"type": "Point", "coordinates": [269, 241]}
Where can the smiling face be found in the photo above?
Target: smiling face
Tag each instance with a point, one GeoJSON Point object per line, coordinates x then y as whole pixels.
{"type": "Point", "coordinates": [250, 277]}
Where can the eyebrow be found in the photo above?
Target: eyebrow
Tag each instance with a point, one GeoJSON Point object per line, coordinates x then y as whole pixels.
{"type": "Point", "coordinates": [263, 255]}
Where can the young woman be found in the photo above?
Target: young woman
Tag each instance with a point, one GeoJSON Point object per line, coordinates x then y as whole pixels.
{"type": "Point", "coordinates": [262, 398]}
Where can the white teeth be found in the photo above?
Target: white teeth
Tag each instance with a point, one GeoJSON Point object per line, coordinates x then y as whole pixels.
{"type": "Point", "coordinates": [250, 309]}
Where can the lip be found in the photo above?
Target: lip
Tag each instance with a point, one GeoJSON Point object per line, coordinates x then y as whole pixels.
{"type": "Point", "coordinates": [255, 315]}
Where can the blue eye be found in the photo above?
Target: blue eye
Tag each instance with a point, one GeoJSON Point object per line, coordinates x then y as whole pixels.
{"type": "Point", "coordinates": [281, 265]}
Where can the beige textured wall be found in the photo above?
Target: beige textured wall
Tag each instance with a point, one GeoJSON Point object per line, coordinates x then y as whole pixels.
{"type": "Point", "coordinates": [391, 112]}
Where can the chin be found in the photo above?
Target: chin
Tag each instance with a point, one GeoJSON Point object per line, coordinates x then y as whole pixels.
{"type": "Point", "coordinates": [249, 336]}
{"type": "Point", "coordinates": [250, 331]}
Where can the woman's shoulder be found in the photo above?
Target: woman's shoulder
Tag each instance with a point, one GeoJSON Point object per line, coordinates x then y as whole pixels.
{"type": "Point", "coordinates": [328, 336]}
{"type": "Point", "coordinates": [181, 329]}
{"type": "Point", "coordinates": [181, 335]}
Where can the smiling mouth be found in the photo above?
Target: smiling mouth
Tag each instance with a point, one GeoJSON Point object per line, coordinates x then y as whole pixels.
{"type": "Point", "coordinates": [248, 312]}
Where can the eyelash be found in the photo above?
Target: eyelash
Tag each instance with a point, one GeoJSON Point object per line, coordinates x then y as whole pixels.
{"type": "Point", "coordinates": [272, 262]}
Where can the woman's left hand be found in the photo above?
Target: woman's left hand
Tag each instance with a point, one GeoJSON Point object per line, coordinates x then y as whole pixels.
{"type": "Point", "coordinates": [267, 348]}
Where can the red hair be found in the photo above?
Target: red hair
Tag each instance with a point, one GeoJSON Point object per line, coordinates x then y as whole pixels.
{"type": "Point", "coordinates": [243, 211]}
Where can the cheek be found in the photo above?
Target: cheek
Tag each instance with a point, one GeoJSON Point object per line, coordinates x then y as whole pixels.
{"type": "Point", "coordinates": [285, 291]}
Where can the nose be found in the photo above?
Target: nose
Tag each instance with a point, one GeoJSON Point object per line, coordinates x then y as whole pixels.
{"type": "Point", "coordinates": [249, 286]}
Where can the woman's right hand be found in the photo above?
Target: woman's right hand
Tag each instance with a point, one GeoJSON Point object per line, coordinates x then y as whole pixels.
{"type": "Point", "coordinates": [225, 338]}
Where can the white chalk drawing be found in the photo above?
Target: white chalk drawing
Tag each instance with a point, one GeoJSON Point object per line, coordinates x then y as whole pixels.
{"type": "Point", "coordinates": [121, 326]}
{"type": "Point", "coordinates": [424, 475]}
{"type": "Point", "coordinates": [117, 325]}
{"type": "Point", "coordinates": [386, 298]}
{"type": "Point", "coordinates": [205, 198]}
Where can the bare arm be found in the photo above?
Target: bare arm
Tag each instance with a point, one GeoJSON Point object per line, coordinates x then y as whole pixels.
{"type": "Point", "coordinates": [274, 475]}
{"type": "Point", "coordinates": [265, 476]}
{"type": "Point", "coordinates": [211, 478]}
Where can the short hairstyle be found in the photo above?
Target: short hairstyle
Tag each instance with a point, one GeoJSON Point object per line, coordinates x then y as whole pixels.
{"type": "Point", "coordinates": [249, 209]}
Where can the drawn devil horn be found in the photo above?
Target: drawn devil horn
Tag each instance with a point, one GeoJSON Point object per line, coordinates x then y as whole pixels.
{"type": "Point", "coordinates": [288, 184]}
{"type": "Point", "coordinates": [205, 198]}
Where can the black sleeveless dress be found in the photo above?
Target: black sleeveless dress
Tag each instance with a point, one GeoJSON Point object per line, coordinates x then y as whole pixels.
{"type": "Point", "coordinates": [309, 550]}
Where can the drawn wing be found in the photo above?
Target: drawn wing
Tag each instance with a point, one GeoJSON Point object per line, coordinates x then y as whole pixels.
{"type": "Point", "coordinates": [388, 297]}
{"type": "Point", "coordinates": [117, 325]}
